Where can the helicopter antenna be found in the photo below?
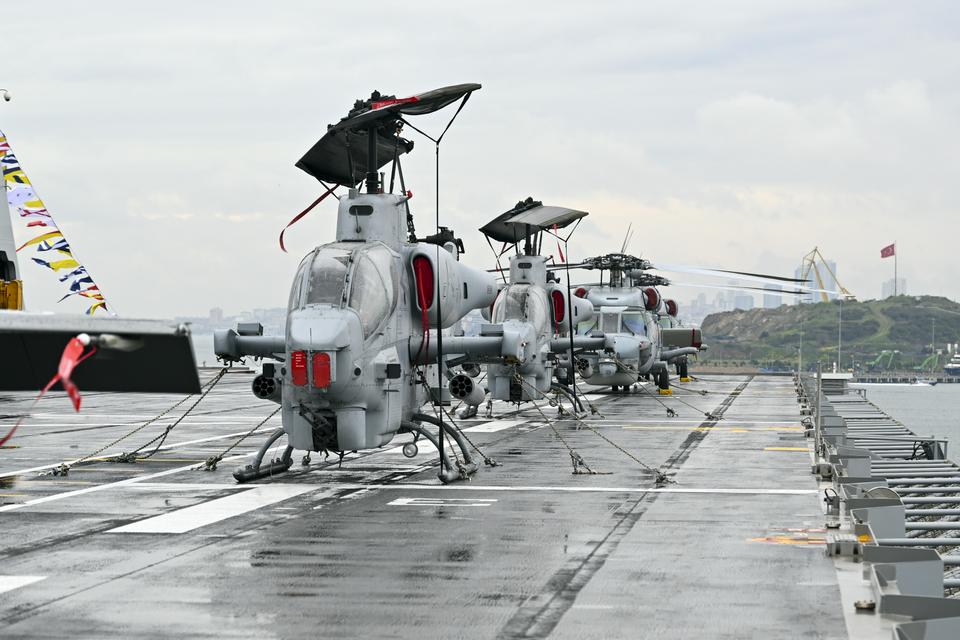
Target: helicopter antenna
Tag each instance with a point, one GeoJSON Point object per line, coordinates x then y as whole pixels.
{"type": "Point", "coordinates": [626, 239]}
{"type": "Point", "coordinates": [436, 142]}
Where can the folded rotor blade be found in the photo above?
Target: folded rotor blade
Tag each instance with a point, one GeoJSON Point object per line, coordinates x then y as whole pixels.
{"type": "Point", "coordinates": [743, 275]}
{"type": "Point", "coordinates": [799, 291]}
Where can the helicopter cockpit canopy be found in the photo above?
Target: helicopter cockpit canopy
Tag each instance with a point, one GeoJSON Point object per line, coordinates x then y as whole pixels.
{"type": "Point", "coordinates": [365, 278]}
{"type": "Point", "coordinates": [523, 302]}
{"type": "Point", "coordinates": [616, 320]}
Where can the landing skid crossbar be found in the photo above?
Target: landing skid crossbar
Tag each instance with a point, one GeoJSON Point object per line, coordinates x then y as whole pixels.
{"type": "Point", "coordinates": [276, 466]}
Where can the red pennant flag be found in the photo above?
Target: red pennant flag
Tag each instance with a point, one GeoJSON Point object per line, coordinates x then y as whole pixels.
{"type": "Point", "coordinates": [888, 251]}
{"type": "Point", "coordinates": [72, 356]}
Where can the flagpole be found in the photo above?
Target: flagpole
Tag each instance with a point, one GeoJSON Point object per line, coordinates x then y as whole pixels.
{"type": "Point", "coordinates": [894, 268]}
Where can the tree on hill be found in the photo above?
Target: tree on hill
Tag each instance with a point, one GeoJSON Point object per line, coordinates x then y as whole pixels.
{"type": "Point", "coordinates": [902, 324]}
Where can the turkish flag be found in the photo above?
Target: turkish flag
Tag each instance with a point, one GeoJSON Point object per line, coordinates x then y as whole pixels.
{"type": "Point", "coordinates": [888, 251]}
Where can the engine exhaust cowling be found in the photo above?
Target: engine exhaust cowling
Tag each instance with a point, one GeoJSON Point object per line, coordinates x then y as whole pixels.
{"type": "Point", "coordinates": [581, 308]}
{"type": "Point", "coordinates": [441, 283]}
{"type": "Point", "coordinates": [464, 388]}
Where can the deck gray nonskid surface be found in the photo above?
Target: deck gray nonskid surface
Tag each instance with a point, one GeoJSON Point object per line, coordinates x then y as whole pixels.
{"type": "Point", "coordinates": [378, 549]}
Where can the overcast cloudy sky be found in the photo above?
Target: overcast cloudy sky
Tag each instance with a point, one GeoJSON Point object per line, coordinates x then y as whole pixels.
{"type": "Point", "coordinates": [735, 134]}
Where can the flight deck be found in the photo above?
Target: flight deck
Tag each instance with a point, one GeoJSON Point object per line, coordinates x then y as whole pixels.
{"type": "Point", "coordinates": [732, 546]}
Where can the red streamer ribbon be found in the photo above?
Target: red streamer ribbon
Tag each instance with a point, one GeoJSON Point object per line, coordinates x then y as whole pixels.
{"type": "Point", "coordinates": [303, 213]}
{"type": "Point", "coordinates": [72, 356]}
{"type": "Point", "coordinates": [559, 250]}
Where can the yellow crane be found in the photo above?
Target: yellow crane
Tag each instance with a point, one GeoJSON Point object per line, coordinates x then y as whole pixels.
{"type": "Point", "coordinates": [809, 264]}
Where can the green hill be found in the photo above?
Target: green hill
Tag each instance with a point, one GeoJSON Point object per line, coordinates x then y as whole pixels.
{"type": "Point", "coordinates": [772, 337]}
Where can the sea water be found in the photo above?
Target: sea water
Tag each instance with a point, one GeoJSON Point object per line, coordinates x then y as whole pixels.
{"type": "Point", "coordinates": [927, 411]}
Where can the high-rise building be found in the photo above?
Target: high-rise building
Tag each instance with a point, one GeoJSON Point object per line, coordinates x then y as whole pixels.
{"type": "Point", "coordinates": [743, 301]}
{"type": "Point", "coordinates": [887, 288]}
{"type": "Point", "coordinates": [772, 300]}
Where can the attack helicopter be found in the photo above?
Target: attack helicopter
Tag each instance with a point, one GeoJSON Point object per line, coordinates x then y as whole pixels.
{"type": "Point", "coordinates": [370, 314]}
{"type": "Point", "coordinates": [366, 312]}
{"type": "Point", "coordinates": [531, 310]}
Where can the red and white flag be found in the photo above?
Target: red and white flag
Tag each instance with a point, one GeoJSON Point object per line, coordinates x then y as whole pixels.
{"type": "Point", "coordinates": [888, 251]}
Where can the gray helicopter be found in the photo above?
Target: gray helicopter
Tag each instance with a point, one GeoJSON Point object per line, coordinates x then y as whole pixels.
{"type": "Point", "coordinates": [647, 338]}
{"type": "Point", "coordinates": [531, 310]}
{"type": "Point", "coordinates": [367, 311]}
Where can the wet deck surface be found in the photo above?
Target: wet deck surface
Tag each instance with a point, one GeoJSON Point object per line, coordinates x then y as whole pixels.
{"type": "Point", "coordinates": [731, 549]}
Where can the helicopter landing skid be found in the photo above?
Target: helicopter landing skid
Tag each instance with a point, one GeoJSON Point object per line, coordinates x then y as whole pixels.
{"type": "Point", "coordinates": [259, 470]}
{"type": "Point", "coordinates": [566, 391]}
{"type": "Point", "coordinates": [450, 471]}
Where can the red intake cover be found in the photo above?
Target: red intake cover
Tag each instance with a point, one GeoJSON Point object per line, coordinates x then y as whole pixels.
{"type": "Point", "coordinates": [559, 308]}
{"type": "Point", "coordinates": [423, 273]}
{"type": "Point", "coordinates": [652, 297]}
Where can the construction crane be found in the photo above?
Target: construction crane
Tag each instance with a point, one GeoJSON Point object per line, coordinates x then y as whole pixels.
{"type": "Point", "coordinates": [809, 263]}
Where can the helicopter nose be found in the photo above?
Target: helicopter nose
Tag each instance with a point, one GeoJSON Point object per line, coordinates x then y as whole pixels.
{"type": "Point", "coordinates": [321, 330]}
{"type": "Point", "coordinates": [316, 341]}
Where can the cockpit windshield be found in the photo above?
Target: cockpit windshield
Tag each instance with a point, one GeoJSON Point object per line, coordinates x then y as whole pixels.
{"type": "Point", "coordinates": [633, 322]}
{"type": "Point", "coordinates": [521, 302]}
{"type": "Point", "coordinates": [610, 323]}
{"type": "Point", "coordinates": [375, 281]}
{"type": "Point", "coordinates": [365, 277]}
{"type": "Point", "coordinates": [328, 275]}
{"type": "Point", "coordinates": [295, 290]}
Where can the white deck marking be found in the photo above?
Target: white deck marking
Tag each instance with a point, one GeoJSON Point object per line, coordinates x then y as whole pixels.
{"type": "Point", "coordinates": [9, 583]}
{"type": "Point", "coordinates": [177, 486]}
{"type": "Point", "coordinates": [442, 502]}
{"type": "Point", "coordinates": [206, 513]}
{"type": "Point", "coordinates": [109, 485]}
{"type": "Point", "coordinates": [474, 487]}
{"type": "Point", "coordinates": [495, 425]}
{"type": "Point", "coordinates": [168, 447]}
{"type": "Point", "coordinates": [87, 425]}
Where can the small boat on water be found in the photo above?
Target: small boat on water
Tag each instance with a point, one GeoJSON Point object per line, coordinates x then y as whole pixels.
{"type": "Point", "coordinates": [924, 382]}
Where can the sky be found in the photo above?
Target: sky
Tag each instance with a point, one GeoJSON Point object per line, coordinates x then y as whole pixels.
{"type": "Point", "coordinates": [736, 135]}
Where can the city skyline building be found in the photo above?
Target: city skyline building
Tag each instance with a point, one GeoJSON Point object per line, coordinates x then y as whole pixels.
{"type": "Point", "coordinates": [772, 300]}
{"type": "Point", "coordinates": [887, 288]}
